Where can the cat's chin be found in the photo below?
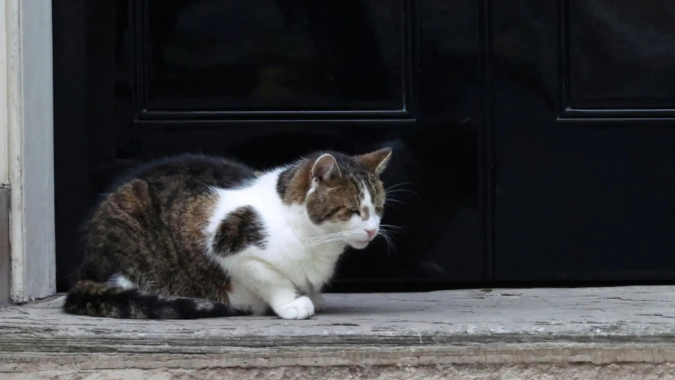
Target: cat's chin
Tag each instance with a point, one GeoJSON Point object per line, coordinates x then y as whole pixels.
{"type": "Point", "coordinates": [359, 244]}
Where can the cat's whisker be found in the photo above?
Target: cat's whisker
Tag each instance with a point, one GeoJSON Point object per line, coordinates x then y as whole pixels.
{"type": "Point", "coordinates": [336, 239]}
{"type": "Point", "coordinates": [397, 185]}
{"type": "Point", "coordinates": [388, 240]}
{"type": "Point", "coordinates": [392, 226]}
{"type": "Point", "coordinates": [318, 244]}
{"type": "Point", "coordinates": [333, 237]}
{"type": "Point", "coordinates": [329, 238]}
{"type": "Point", "coordinates": [392, 231]}
{"type": "Point", "coordinates": [330, 234]}
{"type": "Point", "coordinates": [324, 236]}
{"type": "Point", "coordinates": [387, 200]}
{"type": "Point", "coordinates": [341, 233]}
{"type": "Point", "coordinates": [324, 241]}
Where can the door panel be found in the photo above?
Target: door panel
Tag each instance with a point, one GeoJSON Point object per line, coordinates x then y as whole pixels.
{"type": "Point", "coordinates": [585, 157]}
{"type": "Point", "coordinates": [273, 55]}
{"type": "Point", "coordinates": [621, 54]}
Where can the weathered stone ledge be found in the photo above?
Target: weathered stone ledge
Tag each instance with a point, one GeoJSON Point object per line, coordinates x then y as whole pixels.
{"type": "Point", "coordinates": [626, 327]}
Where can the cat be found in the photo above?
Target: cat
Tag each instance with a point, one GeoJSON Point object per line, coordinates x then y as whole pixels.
{"type": "Point", "coordinates": [197, 236]}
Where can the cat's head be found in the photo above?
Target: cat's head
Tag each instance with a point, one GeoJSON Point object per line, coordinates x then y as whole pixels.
{"type": "Point", "coordinates": [343, 195]}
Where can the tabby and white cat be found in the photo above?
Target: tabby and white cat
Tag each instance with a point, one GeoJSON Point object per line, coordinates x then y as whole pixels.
{"type": "Point", "coordinates": [197, 236]}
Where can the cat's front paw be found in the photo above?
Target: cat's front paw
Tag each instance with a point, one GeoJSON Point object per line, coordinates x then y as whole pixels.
{"type": "Point", "coordinates": [318, 301]}
{"type": "Point", "coordinates": [301, 308]}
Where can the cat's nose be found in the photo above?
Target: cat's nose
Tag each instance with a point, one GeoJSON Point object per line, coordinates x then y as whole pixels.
{"type": "Point", "coordinates": [370, 233]}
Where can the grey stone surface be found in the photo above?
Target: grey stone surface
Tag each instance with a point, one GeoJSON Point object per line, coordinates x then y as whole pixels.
{"type": "Point", "coordinates": [439, 372]}
{"type": "Point", "coordinates": [468, 334]}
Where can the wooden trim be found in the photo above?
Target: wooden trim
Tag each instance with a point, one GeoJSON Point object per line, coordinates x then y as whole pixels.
{"type": "Point", "coordinates": [28, 124]}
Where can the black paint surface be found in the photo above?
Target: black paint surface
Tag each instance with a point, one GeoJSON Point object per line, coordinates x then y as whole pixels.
{"type": "Point", "coordinates": [532, 140]}
{"type": "Point", "coordinates": [582, 99]}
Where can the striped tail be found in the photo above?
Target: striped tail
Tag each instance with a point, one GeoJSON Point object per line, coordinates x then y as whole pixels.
{"type": "Point", "coordinates": [104, 300]}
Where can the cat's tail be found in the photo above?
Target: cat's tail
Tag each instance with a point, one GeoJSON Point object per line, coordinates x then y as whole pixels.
{"type": "Point", "coordinates": [105, 300]}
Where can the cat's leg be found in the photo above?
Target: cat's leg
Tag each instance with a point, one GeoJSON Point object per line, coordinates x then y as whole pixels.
{"type": "Point", "coordinates": [275, 289]}
{"type": "Point", "coordinates": [241, 298]}
{"type": "Point", "coordinates": [317, 299]}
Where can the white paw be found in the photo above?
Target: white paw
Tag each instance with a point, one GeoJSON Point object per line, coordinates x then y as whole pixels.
{"type": "Point", "coordinates": [301, 308]}
{"type": "Point", "coordinates": [319, 302]}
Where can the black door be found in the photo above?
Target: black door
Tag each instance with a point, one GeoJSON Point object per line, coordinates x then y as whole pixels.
{"type": "Point", "coordinates": [583, 97]}
{"type": "Point", "coordinates": [266, 81]}
{"type": "Point", "coordinates": [532, 139]}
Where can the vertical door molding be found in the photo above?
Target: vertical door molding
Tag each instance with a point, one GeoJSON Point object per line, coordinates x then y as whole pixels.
{"type": "Point", "coordinates": [27, 145]}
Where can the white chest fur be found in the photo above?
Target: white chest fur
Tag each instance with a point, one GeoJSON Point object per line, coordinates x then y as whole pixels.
{"type": "Point", "coordinates": [288, 233]}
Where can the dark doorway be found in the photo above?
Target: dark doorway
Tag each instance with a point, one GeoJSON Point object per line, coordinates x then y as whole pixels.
{"type": "Point", "coordinates": [532, 140]}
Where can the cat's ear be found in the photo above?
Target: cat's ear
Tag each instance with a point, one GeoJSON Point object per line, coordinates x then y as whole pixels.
{"type": "Point", "coordinates": [325, 168]}
{"type": "Point", "coordinates": [376, 161]}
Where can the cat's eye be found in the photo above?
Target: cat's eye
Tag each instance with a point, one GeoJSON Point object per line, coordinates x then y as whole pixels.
{"type": "Point", "coordinates": [355, 211]}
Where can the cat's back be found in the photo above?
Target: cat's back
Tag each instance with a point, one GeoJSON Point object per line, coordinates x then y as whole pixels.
{"type": "Point", "coordinates": [189, 172]}
{"type": "Point", "coordinates": [155, 211]}
{"type": "Point", "coordinates": [175, 191]}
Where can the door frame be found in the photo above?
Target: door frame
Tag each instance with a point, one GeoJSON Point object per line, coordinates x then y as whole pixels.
{"type": "Point", "coordinates": [27, 150]}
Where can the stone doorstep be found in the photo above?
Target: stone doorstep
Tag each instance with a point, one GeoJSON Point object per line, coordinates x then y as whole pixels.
{"type": "Point", "coordinates": [514, 327]}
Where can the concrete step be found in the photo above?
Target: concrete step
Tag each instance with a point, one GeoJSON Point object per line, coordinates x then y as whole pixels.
{"type": "Point", "coordinates": [617, 333]}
